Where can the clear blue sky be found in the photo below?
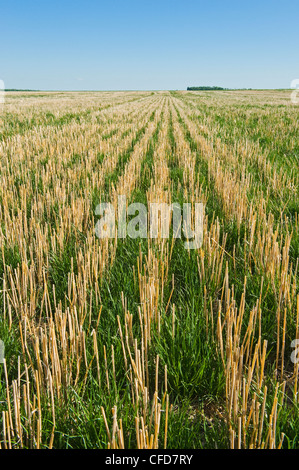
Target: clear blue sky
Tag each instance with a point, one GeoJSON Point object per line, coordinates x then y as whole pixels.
{"type": "Point", "coordinates": [165, 44]}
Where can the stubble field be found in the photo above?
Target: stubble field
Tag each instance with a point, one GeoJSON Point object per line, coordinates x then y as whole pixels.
{"type": "Point", "coordinates": [142, 343]}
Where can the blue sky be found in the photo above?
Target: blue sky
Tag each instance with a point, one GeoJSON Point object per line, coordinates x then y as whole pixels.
{"type": "Point", "coordinates": [148, 45]}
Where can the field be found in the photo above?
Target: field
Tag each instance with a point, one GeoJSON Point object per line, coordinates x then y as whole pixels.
{"type": "Point", "coordinates": [140, 342]}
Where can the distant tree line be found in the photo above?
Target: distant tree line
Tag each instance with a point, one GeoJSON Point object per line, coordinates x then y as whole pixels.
{"type": "Point", "coordinates": [17, 89]}
{"type": "Point", "coordinates": [200, 88]}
